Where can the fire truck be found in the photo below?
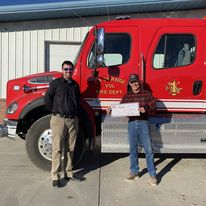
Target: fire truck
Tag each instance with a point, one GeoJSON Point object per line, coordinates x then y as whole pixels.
{"type": "Point", "coordinates": [169, 55]}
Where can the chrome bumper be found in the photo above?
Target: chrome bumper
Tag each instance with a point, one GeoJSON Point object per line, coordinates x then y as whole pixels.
{"type": "Point", "coordinates": [8, 129]}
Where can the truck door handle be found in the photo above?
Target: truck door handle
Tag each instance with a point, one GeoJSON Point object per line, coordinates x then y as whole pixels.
{"type": "Point", "coordinates": [197, 87]}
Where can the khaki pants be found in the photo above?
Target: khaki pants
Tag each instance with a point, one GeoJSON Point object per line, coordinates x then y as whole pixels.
{"type": "Point", "coordinates": [64, 138]}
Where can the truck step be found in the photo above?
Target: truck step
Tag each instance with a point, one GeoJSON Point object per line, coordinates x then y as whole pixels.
{"type": "Point", "coordinates": [171, 133]}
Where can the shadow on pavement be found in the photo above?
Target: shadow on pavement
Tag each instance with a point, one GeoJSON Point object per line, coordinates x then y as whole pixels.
{"type": "Point", "coordinates": [175, 159]}
{"type": "Point", "coordinates": [94, 160]}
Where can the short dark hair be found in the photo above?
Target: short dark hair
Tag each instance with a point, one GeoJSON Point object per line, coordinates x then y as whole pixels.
{"type": "Point", "coordinates": [68, 63]}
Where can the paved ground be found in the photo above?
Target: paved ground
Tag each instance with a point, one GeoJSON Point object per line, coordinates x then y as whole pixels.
{"type": "Point", "coordinates": [182, 181]}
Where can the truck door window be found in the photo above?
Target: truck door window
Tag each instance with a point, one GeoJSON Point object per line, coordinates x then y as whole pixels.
{"type": "Point", "coordinates": [174, 50]}
{"type": "Point", "coordinates": [116, 50]}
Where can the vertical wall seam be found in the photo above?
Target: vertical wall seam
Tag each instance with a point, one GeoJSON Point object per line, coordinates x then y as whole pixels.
{"type": "Point", "coordinates": [59, 36]}
{"type": "Point", "coordinates": [1, 67]}
{"type": "Point", "coordinates": [22, 53]}
{"type": "Point", "coordinates": [37, 56]}
{"type": "Point", "coordinates": [29, 52]}
{"type": "Point", "coordinates": [15, 53]}
{"type": "Point", "coordinates": [44, 37]}
{"type": "Point", "coordinates": [8, 55]}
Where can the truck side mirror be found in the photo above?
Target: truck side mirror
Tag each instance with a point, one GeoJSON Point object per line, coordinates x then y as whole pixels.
{"type": "Point", "coordinates": [100, 47]}
{"type": "Point", "coordinates": [100, 41]}
{"type": "Point", "coordinates": [100, 60]}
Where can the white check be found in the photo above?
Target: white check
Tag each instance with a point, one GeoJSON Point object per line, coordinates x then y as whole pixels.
{"type": "Point", "coordinates": [125, 110]}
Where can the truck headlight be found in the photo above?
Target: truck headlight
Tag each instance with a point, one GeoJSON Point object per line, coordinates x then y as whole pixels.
{"type": "Point", "coordinates": [12, 108]}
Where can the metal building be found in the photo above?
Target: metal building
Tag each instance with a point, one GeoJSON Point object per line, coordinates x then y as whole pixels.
{"type": "Point", "coordinates": [38, 37]}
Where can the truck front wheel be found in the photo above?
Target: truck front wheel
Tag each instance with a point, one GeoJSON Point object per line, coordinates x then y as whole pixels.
{"type": "Point", "coordinates": [39, 144]}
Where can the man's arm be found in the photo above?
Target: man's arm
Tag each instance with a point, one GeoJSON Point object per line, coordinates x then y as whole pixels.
{"type": "Point", "coordinates": [109, 110]}
{"type": "Point", "coordinates": [49, 96]}
{"type": "Point", "coordinates": [78, 94]}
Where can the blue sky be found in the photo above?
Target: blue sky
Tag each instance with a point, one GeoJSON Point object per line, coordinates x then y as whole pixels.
{"type": "Point", "coordinates": [19, 2]}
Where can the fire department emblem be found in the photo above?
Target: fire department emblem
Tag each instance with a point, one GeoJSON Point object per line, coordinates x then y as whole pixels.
{"type": "Point", "coordinates": [173, 87]}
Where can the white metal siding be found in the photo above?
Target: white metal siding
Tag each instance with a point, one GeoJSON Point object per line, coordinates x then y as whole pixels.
{"type": "Point", "coordinates": [19, 55]}
{"type": "Point", "coordinates": [4, 62]}
{"type": "Point", "coordinates": [22, 51]}
{"type": "Point", "coordinates": [1, 71]}
{"type": "Point", "coordinates": [22, 44]}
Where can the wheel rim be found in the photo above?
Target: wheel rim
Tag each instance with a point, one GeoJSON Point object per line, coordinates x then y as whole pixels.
{"type": "Point", "coordinates": [45, 144]}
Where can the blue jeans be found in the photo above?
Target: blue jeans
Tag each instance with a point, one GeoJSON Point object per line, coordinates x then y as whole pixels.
{"type": "Point", "coordinates": [139, 131]}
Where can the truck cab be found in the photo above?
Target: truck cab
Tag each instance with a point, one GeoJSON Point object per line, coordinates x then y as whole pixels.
{"type": "Point", "coordinates": [169, 57]}
{"type": "Point", "coordinates": [168, 54]}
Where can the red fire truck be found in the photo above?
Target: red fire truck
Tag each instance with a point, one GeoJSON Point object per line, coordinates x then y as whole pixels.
{"type": "Point", "coordinates": [170, 57]}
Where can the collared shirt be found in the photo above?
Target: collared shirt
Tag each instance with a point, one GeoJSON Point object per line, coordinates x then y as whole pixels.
{"type": "Point", "coordinates": [145, 99]}
{"type": "Point", "coordinates": [63, 97]}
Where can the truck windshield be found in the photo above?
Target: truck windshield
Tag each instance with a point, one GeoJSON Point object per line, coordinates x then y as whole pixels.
{"type": "Point", "coordinates": [116, 50]}
{"type": "Point", "coordinates": [82, 45]}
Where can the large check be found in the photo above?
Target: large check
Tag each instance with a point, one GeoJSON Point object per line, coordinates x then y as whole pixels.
{"type": "Point", "coordinates": [125, 110]}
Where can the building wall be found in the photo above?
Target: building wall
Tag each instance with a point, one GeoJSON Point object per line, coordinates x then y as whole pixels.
{"type": "Point", "coordinates": [22, 44]}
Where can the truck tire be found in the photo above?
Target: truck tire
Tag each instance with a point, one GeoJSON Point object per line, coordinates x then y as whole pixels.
{"type": "Point", "coordinates": [39, 144]}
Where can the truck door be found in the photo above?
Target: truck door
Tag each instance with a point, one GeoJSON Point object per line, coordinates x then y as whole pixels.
{"type": "Point", "coordinates": [108, 85]}
{"type": "Point", "coordinates": [175, 69]}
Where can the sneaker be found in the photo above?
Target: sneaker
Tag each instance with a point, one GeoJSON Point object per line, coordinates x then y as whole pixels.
{"type": "Point", "coordinates": [153, 181]}
{"type": "Point", "coordinates": [131, 177]}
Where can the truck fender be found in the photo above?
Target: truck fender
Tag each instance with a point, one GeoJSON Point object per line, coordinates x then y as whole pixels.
{"type": "Point", "coordinates": [32, 105]}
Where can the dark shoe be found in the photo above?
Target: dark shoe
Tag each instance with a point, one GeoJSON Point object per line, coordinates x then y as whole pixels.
{"type": "Point", "coordinates": [55, 183]}
{"type": "Point", "coordinates": [66, 178]}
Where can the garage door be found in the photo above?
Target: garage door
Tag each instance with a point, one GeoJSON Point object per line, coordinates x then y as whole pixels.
{"type": "Point", "coordinates": [56, 53]}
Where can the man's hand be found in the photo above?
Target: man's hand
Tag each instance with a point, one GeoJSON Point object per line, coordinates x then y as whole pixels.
{"type": "Point", "coordinates": [109, 110]}
{"type": "Point", "coordinates": [142, 109]}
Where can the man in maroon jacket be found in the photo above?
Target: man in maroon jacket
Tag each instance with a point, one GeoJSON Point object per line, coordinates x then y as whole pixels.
{"type": "Point", "coordinates": [138, 128]}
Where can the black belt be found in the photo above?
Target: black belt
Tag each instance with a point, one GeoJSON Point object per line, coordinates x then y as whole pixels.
{"type": "Point", "coordinates": [64, 116]}
{"type": "Point", "coordinates": [137, 118]}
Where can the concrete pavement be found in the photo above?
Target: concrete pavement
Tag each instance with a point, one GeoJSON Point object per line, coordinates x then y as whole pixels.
{"type": "Point", "coordinates": [182, 181]}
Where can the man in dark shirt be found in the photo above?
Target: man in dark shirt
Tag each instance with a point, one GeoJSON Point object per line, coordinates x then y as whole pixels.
{"type": "Point", "coordinates": [138, 128]}
{"type": "Point", "coordinates": [62, 98]}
